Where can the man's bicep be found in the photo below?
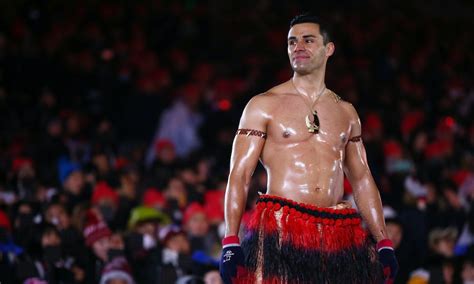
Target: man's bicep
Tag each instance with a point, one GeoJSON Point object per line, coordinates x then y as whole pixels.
{"type": "Point", "coordinates": [250, 137]}
{"type": "Point", "coordinates": [355, 162]}
{"type": "Point", "coordinates": [246, 151]}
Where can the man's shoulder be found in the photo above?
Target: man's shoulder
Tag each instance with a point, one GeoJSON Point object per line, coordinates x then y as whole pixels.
{"type": "Point", "coordinates": [348, 108]}
{"type": "Point", "coordinates": [268, 98]}
{"type": "Point", "coordinates": [281, 89]}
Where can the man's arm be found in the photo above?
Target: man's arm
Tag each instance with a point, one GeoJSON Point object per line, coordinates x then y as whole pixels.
{"type": "Point", "coordinates": [246, 150]}
{"type": "Point", "coordinates": [366, 194]}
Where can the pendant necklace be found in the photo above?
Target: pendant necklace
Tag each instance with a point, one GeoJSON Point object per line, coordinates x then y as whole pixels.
{"type": "Point", "coordinates": [313, 126]}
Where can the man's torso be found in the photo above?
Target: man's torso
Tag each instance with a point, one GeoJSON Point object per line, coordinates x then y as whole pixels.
{"type": "Point", "coordinates": [300, 165]}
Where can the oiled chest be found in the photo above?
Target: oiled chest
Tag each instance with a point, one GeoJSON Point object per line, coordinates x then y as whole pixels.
{"type": "Point", "coordinates": [289, 122]}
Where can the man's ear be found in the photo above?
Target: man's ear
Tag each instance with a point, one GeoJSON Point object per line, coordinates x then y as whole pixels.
{"type": "Point", "coordinates": [330, 49]}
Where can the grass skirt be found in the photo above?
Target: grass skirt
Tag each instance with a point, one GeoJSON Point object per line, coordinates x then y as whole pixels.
{"type": "Point", "coordinates": [290, 242]}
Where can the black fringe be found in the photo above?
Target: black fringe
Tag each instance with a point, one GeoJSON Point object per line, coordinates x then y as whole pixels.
{"type": "Point", "coordinates": [356, 265]}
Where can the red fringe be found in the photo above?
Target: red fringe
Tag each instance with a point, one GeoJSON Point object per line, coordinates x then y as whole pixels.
{"type": "Point", "coordinates": [303, 230]}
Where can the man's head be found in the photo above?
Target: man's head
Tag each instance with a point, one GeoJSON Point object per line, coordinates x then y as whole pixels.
{"type": "Point", "coordinates": [309, 44]}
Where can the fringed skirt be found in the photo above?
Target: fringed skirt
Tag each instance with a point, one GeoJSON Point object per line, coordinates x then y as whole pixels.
{"type": "Point", "coordinates": [290, 242]}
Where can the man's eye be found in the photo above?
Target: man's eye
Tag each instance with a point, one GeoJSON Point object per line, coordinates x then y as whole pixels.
{"type": "Point", "coordinates": [309, 41]}
{"type": "Point", "coordinates": [291, 43]}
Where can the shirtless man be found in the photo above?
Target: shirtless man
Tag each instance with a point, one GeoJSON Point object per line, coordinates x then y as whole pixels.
{"type": "Point", "coordinates": [307, 138]}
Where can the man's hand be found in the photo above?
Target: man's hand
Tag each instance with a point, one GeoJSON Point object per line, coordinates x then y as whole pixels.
{"type": "Point", "coordinates": [232, 257]}
{"type": "Point", "coordinates": [388, 260]}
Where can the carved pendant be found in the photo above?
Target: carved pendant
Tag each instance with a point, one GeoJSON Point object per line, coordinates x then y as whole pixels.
{"type": "Point", "coordinates": [313, 126]}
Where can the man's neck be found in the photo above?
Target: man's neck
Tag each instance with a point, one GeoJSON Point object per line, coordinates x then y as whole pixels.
{"type": "Point", "coordinates": [309, 84]}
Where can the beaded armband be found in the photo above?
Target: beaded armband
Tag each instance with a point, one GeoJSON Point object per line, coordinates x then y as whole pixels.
{"type": "Point", "coordinates": [251, 132]}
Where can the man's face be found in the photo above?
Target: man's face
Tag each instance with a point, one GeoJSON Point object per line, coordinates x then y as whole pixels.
{"type": "Point", "coordinates": [306, 49]}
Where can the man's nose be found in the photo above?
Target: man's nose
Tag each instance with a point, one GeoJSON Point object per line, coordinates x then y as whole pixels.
{"type": "Point", "coordinates": [299, 46]}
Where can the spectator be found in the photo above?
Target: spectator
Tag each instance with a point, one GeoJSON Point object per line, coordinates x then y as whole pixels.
{"type": "Point", "coordinates": [57, 215]}
{"type": "Point", "coordinates": [176, 254]}
{"type": "Point", "coordinates": [142, 243]}
{"type": "Point", "coordinates": [196, 225]}
{"type": "Point", "coordinates": [72, 181]}
{"type": "Point", "coordinates": [117, 271]}
{"type": "Point", "coordinates": [97, 238]}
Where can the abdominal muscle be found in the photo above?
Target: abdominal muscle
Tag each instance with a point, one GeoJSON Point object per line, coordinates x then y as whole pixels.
{"type": "Point", "coordinates": [315, 179]}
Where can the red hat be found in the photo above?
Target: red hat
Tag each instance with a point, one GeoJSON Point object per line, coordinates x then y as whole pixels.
{"type": "Point", "coordinates": [392, 148]}
{"type": "Point", "coordinates": [214, 205]}
{"type": "Point", "coordinates": [121, 162]}
{"type": "Point", "coordinates": [437, 149]}
{"type": "Point", "coordinates": [152, 198]}
{"type": "Point", "coordinates": [162, 144]}
{"type": "Point", "coordinates": [193, 209]}
{"type": "Point", "coordinates": [5, 221]}
{"type": "Point", "coordinates": [373, 122]}
{"type": "Point", "coordinates": [118, 268]}
{"type": "Point", "coordinates": [19, 163]}
{"type": "Point", "coordinates": [446, 124]}
{"type": "Point", "coordinates": [95, 229]}
{"type": "Point", "coordinates": [410, 121]}
{"type": "Point", "coordinates": [103, 191]}
{"type": "Point", "coordinates": [460, 176]}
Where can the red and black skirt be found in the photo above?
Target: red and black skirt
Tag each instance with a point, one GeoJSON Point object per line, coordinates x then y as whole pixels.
{"type": "Point", "coordinates": [290, 242]}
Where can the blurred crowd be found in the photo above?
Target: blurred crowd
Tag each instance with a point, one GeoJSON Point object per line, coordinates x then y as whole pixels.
{"type": "Point", "coordinates": [117, 120]}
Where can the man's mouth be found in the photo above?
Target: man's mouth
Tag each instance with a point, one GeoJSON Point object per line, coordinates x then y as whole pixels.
{"type": "Point", "coordinates": [300, 57]}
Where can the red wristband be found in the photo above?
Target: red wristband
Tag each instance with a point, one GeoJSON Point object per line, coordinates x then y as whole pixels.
{"type": "Point", "coordinates": [384, 244]}
{"type": "Point", "coordinates": [230, 240]}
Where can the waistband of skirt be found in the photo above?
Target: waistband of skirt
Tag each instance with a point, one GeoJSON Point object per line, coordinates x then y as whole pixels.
{"type": "Point", "coordinates": [297, 208]}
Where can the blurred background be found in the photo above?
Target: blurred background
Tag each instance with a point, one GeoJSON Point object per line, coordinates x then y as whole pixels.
{"type": "Point", "coordinates": [117, 119]}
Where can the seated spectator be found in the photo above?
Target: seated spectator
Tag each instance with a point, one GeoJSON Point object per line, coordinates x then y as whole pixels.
{"type": "Point", "coordinates": [117, 271]}
{"type": "Point", "coordinates": [467, 271]}
{"type": "Point", "coordinates": [9, 251]}
{"type": "Point", "coordinates": [97, 238]}
{"type": "Point", "coordinates": [47, 260]}
{"type": "Point", "coordinates": [196, 225]}
{"type": "Point", "coordinates": [105, 199]}
{"type": "Point", "coordinates": [72, 181]}
{"type": "Point", "coordinates": [57, 215]}
{"type": "Point", "coordinates": [129, 178]}
{"type": "Point", "coordinates": [142, 246]}
{"type": "Point", "coordinates": [441, 263]}
{"type": "Point", "coordinates": [212, 277]}
{"type": "Point", "coordinates": [176, 257]}
{"type": "Point", "coordinates": [442, 241]}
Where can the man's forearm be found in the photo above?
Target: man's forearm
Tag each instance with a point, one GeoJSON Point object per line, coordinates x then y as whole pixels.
{"type": "Point", "coordinates": [368, 202]}
{"type": "Point", "coordinates": [234, 207]}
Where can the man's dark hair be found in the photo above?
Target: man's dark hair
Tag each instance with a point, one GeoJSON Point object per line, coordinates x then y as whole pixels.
{"type": "Point", "coordinates": [324, 28]}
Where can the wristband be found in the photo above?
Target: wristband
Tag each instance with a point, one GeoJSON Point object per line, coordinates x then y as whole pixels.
{"type": "Point", "coordinates": [230, 241]}
{"type": "Point", "coordinates": [384, 244]}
